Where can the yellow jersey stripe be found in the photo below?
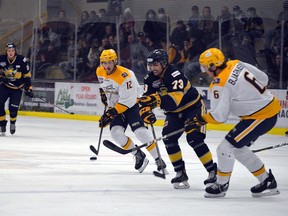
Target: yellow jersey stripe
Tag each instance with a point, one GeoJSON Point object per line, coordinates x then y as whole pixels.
{"type": "Point", "coordinates": [120, 108]}
{"type": "Point", "coordinates": [248, 130]}
{"type": "Point", "coordinates": [266, 112]}
{"type": "Point", "coordinates": [206, 158]}
{"type": "Point", "coordinates": [224, 174]}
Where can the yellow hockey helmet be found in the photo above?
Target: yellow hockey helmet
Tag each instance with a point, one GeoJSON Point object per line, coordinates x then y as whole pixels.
{"type": "Point", "coordinates": [108, 55]}
{"type": "Point", "coordinates": [212, 57]}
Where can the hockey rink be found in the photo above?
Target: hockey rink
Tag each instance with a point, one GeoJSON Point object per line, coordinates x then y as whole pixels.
{"type": "Point", "coordinates": [45, 170]}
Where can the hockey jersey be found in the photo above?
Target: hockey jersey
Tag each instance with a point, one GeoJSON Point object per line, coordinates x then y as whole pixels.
{"type": "Point", "coordinates": [121, 87]}
{"type": "Point", "coordinates": [16, 73]}
{"type": "Point", "coordinates": [240, 89]}
{"type": "Point", "coordinates": [174, 89]}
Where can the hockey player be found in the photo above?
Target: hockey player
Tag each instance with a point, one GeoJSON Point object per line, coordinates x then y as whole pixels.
{"type": "Point", "coordinates": [14, 76]}
{"type": "Point", "coordinates": [121, 90]}
{"type": "Point", "coordinates": [240, 89]}
{"type": "Point", "coordinates": [169, 89]}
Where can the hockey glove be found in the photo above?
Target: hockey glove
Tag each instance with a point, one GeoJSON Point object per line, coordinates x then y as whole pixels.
{"type": "Point", "coordinates": [152, 101]}
{"type": "Point", "coordinates": [147, 115]}
{"type": "Point", "coordinates": [29, 91]}
{"type": "Point", "coordinates": [107, 117]}
{"type": "Point", "coordinates": [103, 97]}
{"type": "Point", "coordinates": [194, 124]}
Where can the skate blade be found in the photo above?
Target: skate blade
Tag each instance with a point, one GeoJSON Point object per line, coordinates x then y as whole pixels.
{"type": "Point", "coordinates": [181, 185]}
{"type": "Point", "coordinates": [270, 192]}
{"type": "Point", "coordinates": [144, 165]}
{"type": "Point", "coordinates": [208, 195]}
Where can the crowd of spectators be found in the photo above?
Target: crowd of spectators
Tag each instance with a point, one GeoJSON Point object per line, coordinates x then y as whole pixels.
{"type": "Point", "coordinates": [238, 31]}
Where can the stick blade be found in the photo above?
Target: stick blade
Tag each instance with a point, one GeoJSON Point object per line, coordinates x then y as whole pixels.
{"type": "Point", "coordinates": [158, 174]}
{"type": "Point", "coordinates": [114, 147]}
{"type": "Point", "coordinates": [93, 149]}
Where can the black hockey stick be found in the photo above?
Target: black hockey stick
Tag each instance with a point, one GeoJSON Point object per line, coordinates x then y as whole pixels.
{"type": "Point", "coordinates": [92, 148]}
{"type": "Point", "coordinates": [44, 100]}
{"type": "Point", "coordinates": [118, 149]}
{"type": "Point", "coordinates": [156, 173]}
{"type": "Point", "coordinates": [270, 147]}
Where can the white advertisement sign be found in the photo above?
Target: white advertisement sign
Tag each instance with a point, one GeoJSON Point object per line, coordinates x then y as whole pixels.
{"type": "Point", "coordinates": [80, 98]}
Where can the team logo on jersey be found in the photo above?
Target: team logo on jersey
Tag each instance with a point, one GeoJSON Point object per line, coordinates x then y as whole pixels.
{"type": "Point", "coordinates": [216, 80]}
{"type": "Point", "coordinates": [124, 74]}
{"type": "Point", "coordinates": [156, 83]}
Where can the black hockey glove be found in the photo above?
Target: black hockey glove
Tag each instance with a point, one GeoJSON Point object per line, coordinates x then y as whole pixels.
{"type": "Point", "coordinates": [108, 117]}
{"type": "Point", "coordinates": [103, 97]}
{"type": "Point", "coordinates": [29, 91]}
{"type": "Point", "coordinates": [194, 124]}
{"type": "Point", "coordinates": [147, 115]}
{"type": "Point", "coordinates": [152, 101]}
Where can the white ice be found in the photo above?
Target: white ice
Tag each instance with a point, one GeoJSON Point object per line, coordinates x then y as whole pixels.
{"type": "Point", "coordinates": [45, 171]}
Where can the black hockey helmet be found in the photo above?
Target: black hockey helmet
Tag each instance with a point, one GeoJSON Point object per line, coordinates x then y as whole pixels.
{"type": "Point", "coordinates": [158, 56]}
{"type": "Point", "coordinates": [11, 45]}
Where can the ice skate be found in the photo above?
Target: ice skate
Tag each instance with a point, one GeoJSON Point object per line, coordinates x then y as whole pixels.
{"type": "Point", "coordinates": [12, 128]}
{"type": "Point", "coordinates": [3, 128]}
{"type": "Point", "coordinates": [159, 167]}
{"type": "Point", "coordinates": [216, 190]}
{"type": "Point", "coordinates": [181, 180]}
{"type": "Point", "coordinates": [140, 161]}
{"type": "Point", "coordinates": [212, 176]}
{"type": "Point", "coordinates": [266, 188]}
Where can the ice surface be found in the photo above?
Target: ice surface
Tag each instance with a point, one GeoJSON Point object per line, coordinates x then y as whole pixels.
{"type": "Point", "coordinates": [45, 171]}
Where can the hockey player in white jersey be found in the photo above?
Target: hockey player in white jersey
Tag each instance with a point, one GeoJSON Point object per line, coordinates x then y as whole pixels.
{"type": "Point", "coordinates": [240, 89]}
{"type": "Point", "coordinates": [122, 90]}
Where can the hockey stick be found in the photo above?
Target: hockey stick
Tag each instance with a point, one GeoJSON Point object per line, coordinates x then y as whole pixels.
{"type": "Point", "coordinates": [92, 148]}
{"type": "Point", "coordinates": [270, 147]}
{"type": "Point", "coordinates": [118, 149]}
{"type": "Point", "coordinates": [42, 99]}
{"type": "Point", "coordinates": [156, 173]}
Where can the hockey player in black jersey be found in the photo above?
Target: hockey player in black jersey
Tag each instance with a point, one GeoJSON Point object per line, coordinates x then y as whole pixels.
{"type": "Point", "coordinates": [169, 89]}
{"type": "Point", "coordinates": [14, 76]}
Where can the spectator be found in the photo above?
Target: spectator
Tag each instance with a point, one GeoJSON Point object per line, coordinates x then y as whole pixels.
{"type": "Point", "coordinates": [239, 22]}
{"type": "Point", "coordinates": [127, 18]}
{"type": "Point", "coordinates": [151, 26]}
{"type": "Point", "coordinates": [225, 19]}
{"type": "Point", "coordinates": [164, 22]}
{"type": "Point", "coordinates": [151, 45]}
{"type": "Point", "coordinates": [274, 73]}
{"type": "Point", "coordinates": [48, 58]}
{"type": "Point", "coordinates": [179, 34]}
{"type": "Point", "coordinates": [173, 52]}
{"type": "Point", "coordinates": [255, 26]}
{"type": "Point", "coordinates": [206, 24]}
{"type": "Point", "coordinates": [114, 8]}
{"type": "Point", "coordinates": [194, 18]}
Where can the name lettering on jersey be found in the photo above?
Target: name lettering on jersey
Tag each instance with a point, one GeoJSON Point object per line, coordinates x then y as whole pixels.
{"type": "Point", "coordinates": [156, 83]}
{"type": "Point", "coordinates": [235, 74]}
{"type": "Point", "coordinates": [175, 73]}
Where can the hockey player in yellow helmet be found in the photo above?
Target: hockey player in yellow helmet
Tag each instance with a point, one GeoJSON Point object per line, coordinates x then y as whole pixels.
{"type": "Point", "coordinates": [240, 89]}
{"type": "Point", "coordinates": [120, 91]}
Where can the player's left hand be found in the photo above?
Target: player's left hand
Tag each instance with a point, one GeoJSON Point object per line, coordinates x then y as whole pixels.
{"type": "Point", "coordinates": [147, 115]}
{"type": "Point", "coordinates": [194, 124]}
{"type": "Point", "coordinates": [29, 91]}
{"type": "Point", "coordinates": [108, 117]}
{"type": "Point", "coordinates": [152, 100]}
